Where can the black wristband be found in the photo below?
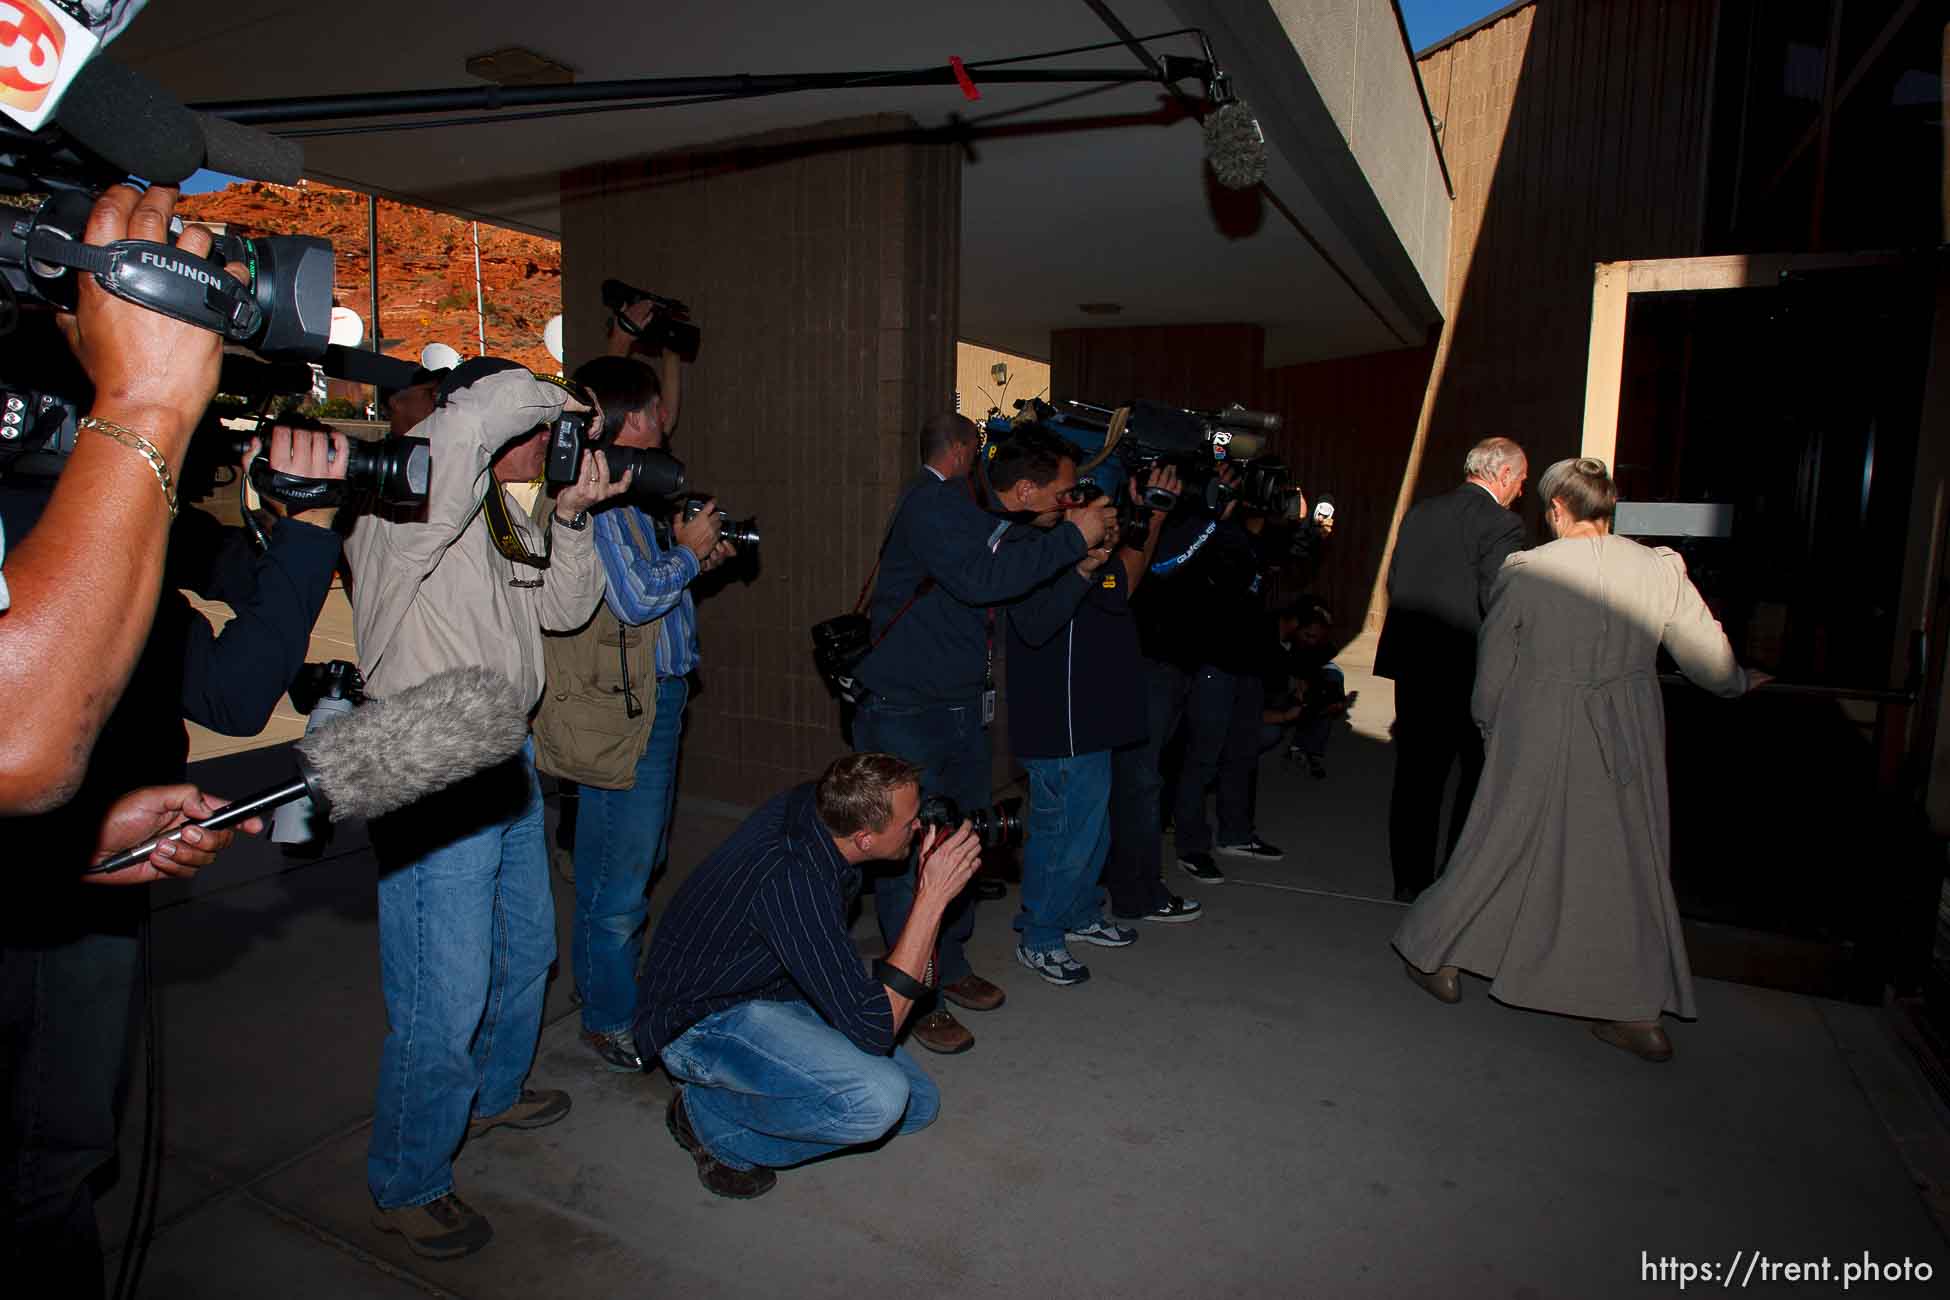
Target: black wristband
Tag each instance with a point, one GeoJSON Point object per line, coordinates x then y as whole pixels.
{"type": "Point", "coordinates": [899, 980]}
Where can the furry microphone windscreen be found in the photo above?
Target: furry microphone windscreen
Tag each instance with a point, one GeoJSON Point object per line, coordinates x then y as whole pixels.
{"type": "Point", "coordinates": [395, 751]}
{"type": "Point", "coordinates": [1235, 146]}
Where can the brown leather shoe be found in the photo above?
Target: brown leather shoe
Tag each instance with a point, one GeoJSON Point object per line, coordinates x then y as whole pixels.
{"type": "Point", "coordinates": [1443, 985]}
{"type": "Point", "coordinates": [1644, 1039]}
{"type": "Point", "coordinates": [444, 1228]}
{"type": "Point", "coordinates": [938, 1031]}
{"type": "Point", "coordinates": [973, 993]}
{"type": "Point", "coordinates": [718, 1178]}
{"type": "Point", "coordinates": [533, 1109]}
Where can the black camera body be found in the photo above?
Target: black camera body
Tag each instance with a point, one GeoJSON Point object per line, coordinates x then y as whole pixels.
{"type": "Point", "coordinates": [739, 532]}
{"type": "Point", "coordinates": [659, 475]}
{"type": "Point", "coordinates": [840, 645]}
{"type": "Point", "coordinates": [999, 826]}
{"type": "Point", "coordinates": [337, 680]}
{"type": "Point", "coordinates": [669, 328]}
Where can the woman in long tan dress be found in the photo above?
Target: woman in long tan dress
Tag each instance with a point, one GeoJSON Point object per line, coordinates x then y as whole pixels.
{"type": "Point", "coordinates": [1559, 889]}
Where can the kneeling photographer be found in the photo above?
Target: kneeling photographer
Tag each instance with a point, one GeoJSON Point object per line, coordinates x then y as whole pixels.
{"type": "Point", "coordinates": [943, 574]}
{"type": "Point", "coordinates": [613, 713]}
{"type": "Point", "coordinates": [466, 919]}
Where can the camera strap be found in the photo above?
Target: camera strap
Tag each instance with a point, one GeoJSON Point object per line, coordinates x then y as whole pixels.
{"type": "Point", "coordinates": [164, 279]}
{"type": "Point", "coordinates": [501, 531]}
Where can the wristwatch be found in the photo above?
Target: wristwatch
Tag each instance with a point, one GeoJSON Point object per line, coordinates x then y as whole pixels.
{"type": "Point", "coordinates": [579, 522]}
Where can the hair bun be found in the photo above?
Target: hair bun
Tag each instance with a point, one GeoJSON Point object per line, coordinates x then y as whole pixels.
{"type": "Point", "coordinates": [1591, 465]}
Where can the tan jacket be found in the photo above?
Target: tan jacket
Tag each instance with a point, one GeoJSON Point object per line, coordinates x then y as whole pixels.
{"type": "Point", "coordinates": [435, 594]}
{"type": "Point", "coordinates": [585, 730]}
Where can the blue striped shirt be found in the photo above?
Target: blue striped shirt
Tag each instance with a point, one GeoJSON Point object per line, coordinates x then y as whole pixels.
{"type": "Point", "coordinates": [640, 588]}
{"type": "Point", "coordinates": [764, 917]}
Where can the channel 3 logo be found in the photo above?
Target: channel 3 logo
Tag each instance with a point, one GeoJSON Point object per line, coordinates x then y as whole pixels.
{"type": "Point", "coordinates": [31, 44]}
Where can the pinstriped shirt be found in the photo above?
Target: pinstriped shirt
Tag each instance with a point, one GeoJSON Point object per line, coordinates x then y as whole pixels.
{"type": "Point", "coordinates": [765, 916]}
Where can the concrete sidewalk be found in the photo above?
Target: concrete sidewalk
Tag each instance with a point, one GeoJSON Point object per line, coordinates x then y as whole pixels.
{"type": "Point", "coordinates": [1258, 1104]}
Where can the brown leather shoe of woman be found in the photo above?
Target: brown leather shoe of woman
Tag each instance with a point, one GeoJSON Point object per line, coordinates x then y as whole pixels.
{"type": "Point", "coordinates": [1445, 985]}
{"type": "Point", "coordinates": [1645, 1039]}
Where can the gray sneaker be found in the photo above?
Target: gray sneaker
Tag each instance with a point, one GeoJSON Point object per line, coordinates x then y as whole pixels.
{"type": "Point", "coordinates": [1103, 934]}
{"type": "Point", "coordinates": [1059, 967]}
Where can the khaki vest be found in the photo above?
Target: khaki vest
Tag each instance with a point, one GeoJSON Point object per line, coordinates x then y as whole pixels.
{"type": "Point", "coordinates": [583, 730]}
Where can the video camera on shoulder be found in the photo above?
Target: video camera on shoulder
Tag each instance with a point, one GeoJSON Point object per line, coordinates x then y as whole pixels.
{"type": "Point", "coordinates": [1121, 445]}
{"type": "Point", "coordinates": [669, 328]}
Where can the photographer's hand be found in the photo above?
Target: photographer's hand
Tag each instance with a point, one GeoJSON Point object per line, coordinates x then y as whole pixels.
{"type": "Point", "coordinates": [142, 815]}
{"type": "Point", "coordinates": [699, 534]}
{"type": "Point", "coordinates": [621, 341]}
{"type": "Point", "coordinates": [592, 488]}
{"type": "Point", "coordinates": [151, 373]}
{"type": "Point", "coordinates": [1165, 478]}
{"type": "Point", "coordinates": [1096, 522]}
{"type": "Point", "coordinates": [719, 554]}
{"type": "Point", "coordinates": [948, 864]}
{"type": "Point", "coordinates": [303, 453]}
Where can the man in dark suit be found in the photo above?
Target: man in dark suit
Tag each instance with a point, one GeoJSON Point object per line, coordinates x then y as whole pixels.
{"type": "Point", "coordinates": [1446, 561]}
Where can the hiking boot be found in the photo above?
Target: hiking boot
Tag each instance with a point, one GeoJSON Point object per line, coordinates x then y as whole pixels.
{"type": "Point", "coordinates": [444, 1228]}
{"type": "Point", "coordinates": [939, 1031]}
{"type": "Point", "coordinates": [533, 1109]}
{"type": "Point", "coordinates": [719, 1178]}
{"type": "Point", "coordinates": [973, 993]}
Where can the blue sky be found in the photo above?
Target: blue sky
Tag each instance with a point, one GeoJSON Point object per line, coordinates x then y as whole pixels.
{"type": "Point", "coordinates": [1431, 20]}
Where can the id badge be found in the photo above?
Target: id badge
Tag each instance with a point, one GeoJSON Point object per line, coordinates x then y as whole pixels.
{"type": "Point", "coordinates": [988, 706]}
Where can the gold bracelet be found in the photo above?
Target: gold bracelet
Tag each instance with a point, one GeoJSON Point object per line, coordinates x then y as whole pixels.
{"type": "Point", "coordinates": [141, 446]}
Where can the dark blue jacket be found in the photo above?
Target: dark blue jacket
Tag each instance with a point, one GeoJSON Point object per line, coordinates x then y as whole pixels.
{"type": "Point", "coordinates": [937, 651]}
{"type": "Point", "coordinates": [1074, 684]}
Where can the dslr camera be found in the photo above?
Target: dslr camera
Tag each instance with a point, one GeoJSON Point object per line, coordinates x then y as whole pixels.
{"type": "Point", "coordinates": [659, 475]}
{"type": "Point", "coordinates": [741, 533]}
{"type": "Point", "coordinates": [995, 827]}
{"type": "Point", "coordinates": [669, 328]}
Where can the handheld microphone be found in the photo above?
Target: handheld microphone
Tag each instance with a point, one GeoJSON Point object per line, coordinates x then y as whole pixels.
{"type": "Point", "coordinates": [389, 754]}
{"type": "Point", "coordinates": [1235, 146]}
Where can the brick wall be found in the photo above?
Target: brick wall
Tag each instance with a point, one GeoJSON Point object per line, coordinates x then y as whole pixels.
{"type": "Point", "coordinates": [822, 265]}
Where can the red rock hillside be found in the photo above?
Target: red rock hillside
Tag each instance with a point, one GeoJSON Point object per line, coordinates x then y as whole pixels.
{"type": "Point", "coordinates": [426, 267]}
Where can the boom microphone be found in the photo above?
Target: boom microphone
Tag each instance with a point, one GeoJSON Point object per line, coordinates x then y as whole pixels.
{"type": "Point", "coordinates": [131, 123]}
{"type": "Point", "coordinates": [1235, 146]}
{"type": "Point", "coordinates": [390, 753]}
{"type": "Point", "coordinates": [245, 151]}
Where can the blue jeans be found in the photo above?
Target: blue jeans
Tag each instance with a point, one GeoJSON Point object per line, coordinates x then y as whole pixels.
{"type": "Point", "coordinates": [1068, 837]}
{"type": "Point", "coordinates": [466, 937]}
{"type": "Point", "coordinates": [951, 746]}
{"type": "Point", "coordinates": [1136, 793]}
{"type": "Point", "coordinates": [770, 1083]}
{"type": "Point", "coordinates": [622, 837]}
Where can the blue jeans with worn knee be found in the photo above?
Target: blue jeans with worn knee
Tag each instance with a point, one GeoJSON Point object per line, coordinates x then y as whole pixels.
{"type": "Point", "coordinates": [466, 937]}
{"type": "Point", "coordinates": [771, 1083]}
{"type": "Point", "coordinates": [622, 837]}
{"type": "Point", "coordinates": [1067, 838]}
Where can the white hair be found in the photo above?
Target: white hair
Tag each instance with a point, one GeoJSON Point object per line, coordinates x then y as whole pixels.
{"type": "Point", "coordinates": [1488, 458]}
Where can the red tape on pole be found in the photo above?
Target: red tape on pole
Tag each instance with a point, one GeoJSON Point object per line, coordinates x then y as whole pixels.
{"type": "Point", "coordinates": [969, 91]}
